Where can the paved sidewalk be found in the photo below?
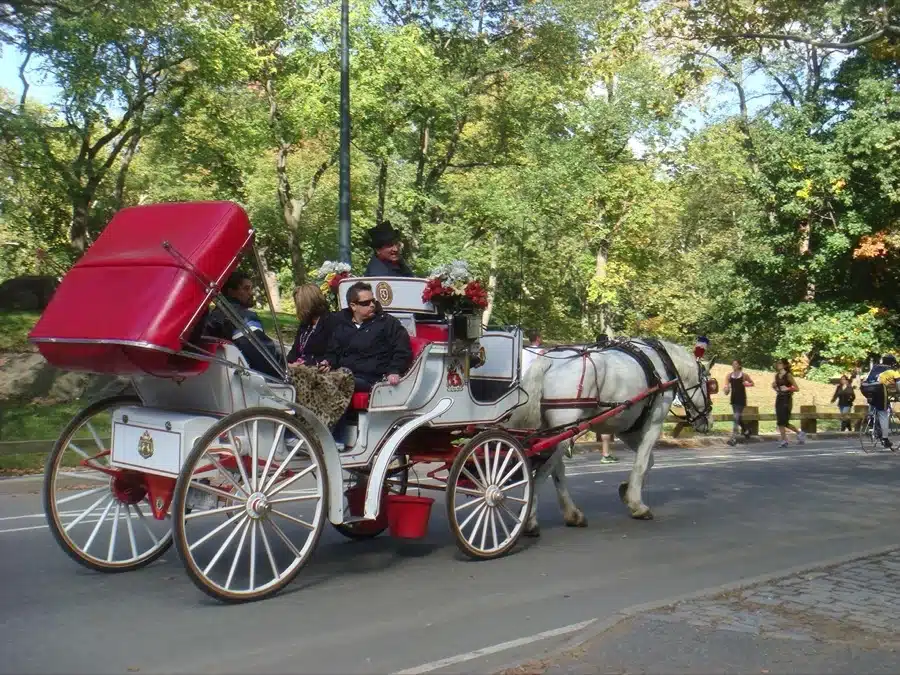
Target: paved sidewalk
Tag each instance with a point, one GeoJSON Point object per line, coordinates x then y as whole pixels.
{"type": "Point", "coordinates": [842, 619]}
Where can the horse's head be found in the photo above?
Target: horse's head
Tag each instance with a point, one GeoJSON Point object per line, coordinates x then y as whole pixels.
{"type": "Point", "coordinates": [696, 388]}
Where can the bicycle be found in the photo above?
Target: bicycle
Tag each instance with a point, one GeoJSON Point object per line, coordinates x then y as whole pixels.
{"type": "Point", "coordinates": [870, 431]}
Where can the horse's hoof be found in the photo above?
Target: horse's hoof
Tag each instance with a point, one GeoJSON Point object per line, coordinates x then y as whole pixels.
{"type": "Point", "coordinates": [577, 521]}
{"type": "Point", "coordinates": [534, 532]}
{"type": "Point", "coordinates": [623, 490]}
{"type": "Point", "coordinates": [642, 514]}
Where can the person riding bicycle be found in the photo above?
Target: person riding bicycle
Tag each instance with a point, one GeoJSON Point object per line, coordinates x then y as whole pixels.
{"type": "Point", "coordinates": [880, 388]}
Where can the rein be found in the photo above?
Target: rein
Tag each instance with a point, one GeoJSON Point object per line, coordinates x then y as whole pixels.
{"type": "Point", "coordinates": [691, 411]}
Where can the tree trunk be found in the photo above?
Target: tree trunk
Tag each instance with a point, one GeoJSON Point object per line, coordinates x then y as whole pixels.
{"type": "Point", "coordinates": [382, 190]}
{"type": "Point", "coordinates": [81, 218]}
{"type": "Point", "coordinates": [492, 280]}
{"type": "Point", "coordinates": [124, 165]}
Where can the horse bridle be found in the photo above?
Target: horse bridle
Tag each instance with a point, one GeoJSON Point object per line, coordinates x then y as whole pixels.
{"type": "Point", "coordinates": [691, 412]}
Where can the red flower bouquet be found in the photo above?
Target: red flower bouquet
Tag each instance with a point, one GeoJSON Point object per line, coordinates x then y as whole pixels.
{"type": "Point", "coordinates": [452, 290]}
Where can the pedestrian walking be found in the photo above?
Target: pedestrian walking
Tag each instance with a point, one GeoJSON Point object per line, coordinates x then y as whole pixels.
{"type": "Point", "coordinates": [785, 385]}
{"type": "Point", "coordinates": [605, 456]}
{"type": "Point", "coordinates": [736, 387]}
{"type": "Point", "coordinates": [844, 395]}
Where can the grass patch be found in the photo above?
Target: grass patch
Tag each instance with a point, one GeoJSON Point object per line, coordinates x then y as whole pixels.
{"type": "Point", "coordinates": [32, 422]}
{"type": "Point", "coordinates": [14, 329]}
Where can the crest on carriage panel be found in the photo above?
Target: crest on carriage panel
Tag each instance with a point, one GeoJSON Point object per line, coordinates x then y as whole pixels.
{"type": "Point", "coordinates": [145, 445]}
{"type": "Point", "coordinates": [454, 378]}
{"type": "Point", "coordinates": [384, 294]}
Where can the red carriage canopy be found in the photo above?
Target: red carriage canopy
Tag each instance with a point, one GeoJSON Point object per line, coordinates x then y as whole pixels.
{"type": "Point", "coordinates": [127, 304]}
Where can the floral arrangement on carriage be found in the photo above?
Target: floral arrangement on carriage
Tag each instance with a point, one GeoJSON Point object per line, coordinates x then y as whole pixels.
{"type": "Point", "coordinates": [330, 275]}
{"type": "Point", "coordinates": [455, 292]}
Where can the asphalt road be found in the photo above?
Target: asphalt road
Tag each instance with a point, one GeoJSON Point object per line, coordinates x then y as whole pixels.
{"type": "Point", "coordinates": [384, 606]}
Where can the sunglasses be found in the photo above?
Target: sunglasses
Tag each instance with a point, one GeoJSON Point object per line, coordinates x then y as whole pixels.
{"type": "Point", "coordinates": [363, 303]}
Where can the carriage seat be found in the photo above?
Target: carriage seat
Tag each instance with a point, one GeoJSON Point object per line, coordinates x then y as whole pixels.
{"type": "Point", "coordinates": [360, 400]}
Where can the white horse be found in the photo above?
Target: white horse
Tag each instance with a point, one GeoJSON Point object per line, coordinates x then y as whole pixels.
{"type": "Point", "coordinates": [567, 385]}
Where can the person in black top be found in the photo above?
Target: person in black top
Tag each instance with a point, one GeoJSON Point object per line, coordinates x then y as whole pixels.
{"type": "Point", "coordinates": [785, 385]}
{"type": "Point", "coordinates": [386, 261]}
{"type": "Point", "coordinates": [844, 395]}
{"type": "Point", "coordinates": [736, 385]}
{"type": "Point", "coordinates": [316, 322]}
{"type": "Point", "coordinates": [238, 292]}
{"type": "Point", "coordinates": [367, 341]}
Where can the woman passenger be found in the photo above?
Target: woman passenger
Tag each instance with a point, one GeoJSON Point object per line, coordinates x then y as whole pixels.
{"type": "Point", "coordinates": [315, 326]}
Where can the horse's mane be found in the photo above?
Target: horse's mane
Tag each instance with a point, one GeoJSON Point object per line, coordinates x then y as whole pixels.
{"type": "Point", "coordinates": [683, 360]}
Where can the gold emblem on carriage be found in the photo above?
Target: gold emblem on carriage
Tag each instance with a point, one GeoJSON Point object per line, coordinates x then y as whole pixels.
{"type": "Point", "coordinates": [384, 294]}
{"type": "Point", "coordinates": [145, 445]}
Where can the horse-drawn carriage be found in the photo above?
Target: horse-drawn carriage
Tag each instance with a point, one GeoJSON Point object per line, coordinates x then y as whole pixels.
{"type": "Point", "coordinates": [226, 463]}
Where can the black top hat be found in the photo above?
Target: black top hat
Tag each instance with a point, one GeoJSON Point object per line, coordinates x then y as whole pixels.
{"type": "Point", "coordinates": [382, 235]}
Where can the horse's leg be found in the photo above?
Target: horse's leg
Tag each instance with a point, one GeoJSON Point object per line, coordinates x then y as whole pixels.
{"type": "Point", "coordinates": [532, 529]}
{"type": "Point", "coordinates": [573, 516]}
{"type": "Point", "coordinates": [642, 441]}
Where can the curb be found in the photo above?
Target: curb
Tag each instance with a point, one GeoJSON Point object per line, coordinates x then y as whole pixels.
{"type": "Point", "coordinates": [597, 629]}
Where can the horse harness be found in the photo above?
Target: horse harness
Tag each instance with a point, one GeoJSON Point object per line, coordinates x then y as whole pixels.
{"type": "Point", "coordinates": [632, 349]}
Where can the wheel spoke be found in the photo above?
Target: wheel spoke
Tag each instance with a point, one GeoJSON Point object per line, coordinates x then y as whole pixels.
{"type": "Point", "coordinates": [299, 521]}
{"type": "Point", "coordinates": [94, 475]}
{"type": "Point", "coordinates": [469, 492]}
{"type": "Point", "coordinates": [518, 500]}
{"type": "Point", "coordinates": [240, 461]}
{"type": "Point", "coordinates": [130, 526]}
{"type": "Point", "coordinates": [469, 503]}
{"type": "Point", "coordinates": [216, 531]}
{"type": "Point", "coordinates": [237, 554]}
{"type": "Point", "coordinates": [496, 476]}
{"type": "Point", "coordinates": [98, 524]}
{"type": "Point", "coordinates": [285, 538]}
{"type": "Point", "coordinates": [96, 436]}
{"type": "Point", "coordinates": [477, 524]}
{"type": "Point", "coordinates": [512, 515]}
{"type": "Point", "coordinates": [262, 531]}
{"type": "Point", "coordinates": [203, 487]}
{"type": "Point", "coordinates": [115, 531]}
{"type": "Point", "coordinates": [275, 443]}
{"type": "Point", "coordinates": [509, 473]}
{"type": "Point", "coordinates": [89, 510]}
{"type": "Point", "coordinates": [293, 479]}
{"type": "Point", "coordinates": [212, 512]}
{"type": "Point", "coordinates": [494, 517]}
{"type": "Point", "coordinates": [298, 498]}
{"type": "Point", "coordinates": [72, 498]}
{"type": "Point", "coordinates": [481, 486]}
{"type": "Point", "coordinates": [146, 526]}
{"type": "Point", "coordinates": [484, 481]}
{"type": "Point", "coordinates": [514, 485]}
{"type": "Point", "coordinates": [225, 544]}
{"type": "Point", "coordinates": [253, 525]}
{"type": "Point", "coordinates": [484, 527]}
{"type": "Point", "coordinates": [282, 466]}
{"type": "Point", "coordinates": [225, 472]}
{"type": "Point", "coordinates": [254, 438]}
{"type": "Point", "coordinates": [503, 524]}
{"type": "Point", "coordinates": [78, 450]}
{"type": "Point", "coordinates": [481, 508]}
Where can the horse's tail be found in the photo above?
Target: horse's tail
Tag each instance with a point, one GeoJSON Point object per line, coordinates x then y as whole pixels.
{"type": "Point", "coordinates": [528, 416]}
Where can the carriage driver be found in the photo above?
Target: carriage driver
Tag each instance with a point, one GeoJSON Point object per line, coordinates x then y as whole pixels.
{"type": "Point", "coordinates": [238, 291]}
{"type": "Point", "coordinates": [386, 261]}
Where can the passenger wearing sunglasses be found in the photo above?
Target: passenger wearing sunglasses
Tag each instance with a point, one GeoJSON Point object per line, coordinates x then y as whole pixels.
{"type": "Point", "coordinates": [367, 341]}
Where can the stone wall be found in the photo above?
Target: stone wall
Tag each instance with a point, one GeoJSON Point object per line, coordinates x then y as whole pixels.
{"type": "Point", "coordinates": [27, 377]}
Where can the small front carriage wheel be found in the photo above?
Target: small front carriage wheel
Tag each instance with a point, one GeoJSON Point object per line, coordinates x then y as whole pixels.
{"type": "Point", "coordinates": [489, 494]}
{"type": "Point", "coordinates": [250, 504]}
{"type": "Point", "coordinates": [395, 483]}
{"type": "Point", "coordinates": [100, 515]}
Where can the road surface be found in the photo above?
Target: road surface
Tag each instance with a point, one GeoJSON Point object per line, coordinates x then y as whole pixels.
{"type": "Point", "coordinates": [383, 606]}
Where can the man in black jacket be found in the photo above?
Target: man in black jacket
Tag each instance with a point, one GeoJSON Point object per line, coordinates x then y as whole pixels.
{"type": "Point", "coordinates": [367, 341]}
{"type": "Point", "coordinates": [386, 261]}
{"type": "Point", "coordinates": [238, 292]}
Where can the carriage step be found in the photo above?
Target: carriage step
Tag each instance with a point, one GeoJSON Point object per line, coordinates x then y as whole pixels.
{"type": "Point", "coordinates": [358, 519]}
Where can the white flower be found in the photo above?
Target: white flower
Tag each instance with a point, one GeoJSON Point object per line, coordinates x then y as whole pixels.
{"type": "Point", "coordinates": [330, 267]}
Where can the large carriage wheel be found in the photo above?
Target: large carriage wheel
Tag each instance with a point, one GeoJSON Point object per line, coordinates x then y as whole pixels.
{"type": "Point", "coordinates": [100, 515]}
{"type": "Point", "coordinates": [396, 482]}
{"type": "Point", "coordinates": [489, 494]}
{"type": "Point", "coordinates": [268, 505]}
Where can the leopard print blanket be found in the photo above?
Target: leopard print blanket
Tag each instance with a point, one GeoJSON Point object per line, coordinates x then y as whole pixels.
{"type": "Point", "coordinates": [326, 395]}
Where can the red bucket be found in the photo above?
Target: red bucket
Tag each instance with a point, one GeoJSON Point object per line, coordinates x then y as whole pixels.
{"type": "Point", "coordinates": [408, 515]}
